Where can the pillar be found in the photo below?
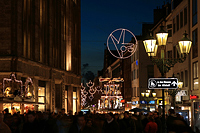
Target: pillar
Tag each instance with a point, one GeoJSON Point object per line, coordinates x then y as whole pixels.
{"type": "Point", "coordinates": [48, 95]}
{"type": "Point", "coordinates": [35, 85]}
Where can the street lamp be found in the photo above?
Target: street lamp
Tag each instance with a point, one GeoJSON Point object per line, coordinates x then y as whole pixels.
{"type": "Point", "coordinates": [148, 95]}
{"type": "Point", "coordinates": [165, 64]}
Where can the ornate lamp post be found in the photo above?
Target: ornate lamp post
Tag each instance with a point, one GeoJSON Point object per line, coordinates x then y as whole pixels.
{"type": "Point", "coordinates": [165, 64]}
{"type": "Point", "coordinates": [148, 95]}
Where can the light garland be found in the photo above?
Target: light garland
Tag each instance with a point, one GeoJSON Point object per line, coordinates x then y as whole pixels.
{"type": "Point", "coordinates": [98, 89]}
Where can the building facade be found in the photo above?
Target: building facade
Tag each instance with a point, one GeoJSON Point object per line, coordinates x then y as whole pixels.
{"type": "Point", "coordinates": [41, 40]}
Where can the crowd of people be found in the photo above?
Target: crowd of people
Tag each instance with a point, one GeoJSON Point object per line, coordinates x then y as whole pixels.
{"type": "Point", "coordinates": [46, 122]}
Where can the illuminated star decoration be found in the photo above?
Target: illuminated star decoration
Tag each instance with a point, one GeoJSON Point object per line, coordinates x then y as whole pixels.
{"type": "Point", "coordinates": [84, 94]}
{"type": "Point", "coordinates": [92, 90]}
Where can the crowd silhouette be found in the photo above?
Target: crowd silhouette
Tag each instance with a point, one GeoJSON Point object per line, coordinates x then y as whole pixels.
{"type": "Point", "coordinates": [49, 122]}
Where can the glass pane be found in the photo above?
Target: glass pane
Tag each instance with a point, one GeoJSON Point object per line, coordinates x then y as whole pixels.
{"type": "Point", "coordinates": [65, 94]}
{"type": "Point", "coordinates": [66, 106]}
{"type": "Point", "coordinates": [197, 70]}
{"type": "Point", "coordinates": [74, 94]}
{"type": "Point", "coordinates": [196, 83]}
{"type": "Point", "coordinates": [41, 91]}
{"type": "Point", "coordinates": [41, 99]}
{"type": "Point", "coordinates": [41, 108]}
{"type": "Point", "coordinates": [74, 106]}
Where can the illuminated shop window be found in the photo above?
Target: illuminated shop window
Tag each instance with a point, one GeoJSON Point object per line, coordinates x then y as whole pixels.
{"type": "Point", "coordinates": [41, 98]}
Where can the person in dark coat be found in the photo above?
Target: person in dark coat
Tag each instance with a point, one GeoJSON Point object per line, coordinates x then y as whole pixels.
{"type": "Point", "coordinates": [127, 125]}
{"type": "Point", "coordinates": [110, 125]}
{"type": "Point", "coordinates": [32, 125]}
{"type": "Point", "coordinates": [80, 126]}
{"type": "Point", "coordinates": [158, 121]}
{"type": "Point", "coordinates": [174, 124]}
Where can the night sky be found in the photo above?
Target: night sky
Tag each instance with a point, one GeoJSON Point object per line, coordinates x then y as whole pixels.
{"type": "Point", "coordinates": [100, 17]}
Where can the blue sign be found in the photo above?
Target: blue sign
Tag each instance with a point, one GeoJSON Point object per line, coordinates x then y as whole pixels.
{"type": "Point", "coordinates": [151, 102]}
{"type": "Point", "coordinates": [143, 102]}
{"type": "Point", "coordinates": [136, 62]}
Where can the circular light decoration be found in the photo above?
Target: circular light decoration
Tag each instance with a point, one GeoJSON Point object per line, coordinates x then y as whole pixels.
{"type": "Point", "coordinates": [122, 43]}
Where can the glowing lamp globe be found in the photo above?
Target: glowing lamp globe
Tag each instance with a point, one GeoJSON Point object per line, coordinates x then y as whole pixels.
{"type": "Point", "coordinates": [147, 94]}
{"type": "Point", "coordinates": [180, 85]}
{"type": "Point", "coordinates": [185, 44]}
{"type": "Point", "coordinates": [154, 94]}
{"type": "Point", "coordinates": [150, 46]}
{"type": "Point", "coordinates": [142, 94]}
{"type": "Point", "coordinates": [162, 36]}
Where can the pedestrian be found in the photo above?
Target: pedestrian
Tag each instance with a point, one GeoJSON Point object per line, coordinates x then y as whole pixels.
{"type": "Point", "coordinates": [32, 125]}
{"type": "Point", "coordinates": [175, 124]}
{"type": "Point", "coordinates": [80, 126]}
{"type": "Point", "coordinates": [3, 127]}
{"type": "Point", "coordinates": [110, 125]}
{"type": "Point", "coordinates": [151, 126]}
{"type": "Point", "coordinates": [127, 125]}
{"type": "Point", "coordinates": [158, 121]}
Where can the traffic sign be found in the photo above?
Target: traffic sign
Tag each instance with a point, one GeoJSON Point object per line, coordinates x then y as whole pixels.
{"type": "Point", "coordinates": [163, 83]}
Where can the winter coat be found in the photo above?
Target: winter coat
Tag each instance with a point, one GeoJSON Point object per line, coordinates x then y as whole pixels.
{"type": "Point", "coordinates": [151, 127]}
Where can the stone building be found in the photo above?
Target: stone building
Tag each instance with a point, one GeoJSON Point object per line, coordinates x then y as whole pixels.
{"type": "Point", "coordinates": [41, 40]}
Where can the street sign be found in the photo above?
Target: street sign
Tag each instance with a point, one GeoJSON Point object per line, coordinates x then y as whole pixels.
{"type": "Point", "coordinates": [163, 83]}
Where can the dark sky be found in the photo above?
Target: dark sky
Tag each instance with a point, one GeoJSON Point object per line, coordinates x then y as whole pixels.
{"type": "Point", "coordinates": [100, 17]}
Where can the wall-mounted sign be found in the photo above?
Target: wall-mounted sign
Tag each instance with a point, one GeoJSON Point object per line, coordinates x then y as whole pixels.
{"type": "Point", "coordinates": [182, 93]}
{"type": "Point", "coordinates": [194, 96]}
{"type": "Point", "coordinates": [143, 102]}
{"type": "Point", "coordinates": [151, 102]}
{"type": "Point", "coordinates": [163, 83]}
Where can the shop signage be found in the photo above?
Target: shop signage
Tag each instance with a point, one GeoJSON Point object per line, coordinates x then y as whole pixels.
{"type": "Point", "coordinates": [193, 97]}
{"type": "Point", "coordinates": [123, 101]}
{"type": "Point", "coordinates": [151, 102]}
{"type": "Point", "coordinates": [182, 93]}
{"type": "Point", "coordinates": [135, 102]}
{"type": "Point", "coordinates": [143, 102]}
{"type": "Point", "coordinates": [163, 83]}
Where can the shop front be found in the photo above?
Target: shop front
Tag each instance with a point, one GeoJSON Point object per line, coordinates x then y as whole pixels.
{"type": "Point", "coordinates": [195, 114]}
{"type": "Point", "coordinates": [19, 96]}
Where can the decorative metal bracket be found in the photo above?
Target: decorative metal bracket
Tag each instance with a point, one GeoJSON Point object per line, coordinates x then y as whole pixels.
{"type": "Point", "coordinates": [164, 65]}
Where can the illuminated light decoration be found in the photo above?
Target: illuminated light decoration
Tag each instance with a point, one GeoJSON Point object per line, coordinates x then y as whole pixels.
{"type": "Point", "coordinates": [12, 79]}
{"type": "Point", "coordinates": [117, 40]}
{"type": "Point", "coordinates": [104, 79]}
{"type": "Point", "coordinates": [92, 91]}
{"type": "Point", "coordinates": [98, 89]}
{"type": "Point", "coordinates": [90, 84]}
{"type": "Point", "coordinates": [194, 96]}
{"type": "Point", "coordinates": [27, 92]}
{"type": "Point", "coordinates": [84, 94]}
{"type": "Point", "coordinates": [111, 95]}
{"type": "Point", "coordinates": [91, 97]}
